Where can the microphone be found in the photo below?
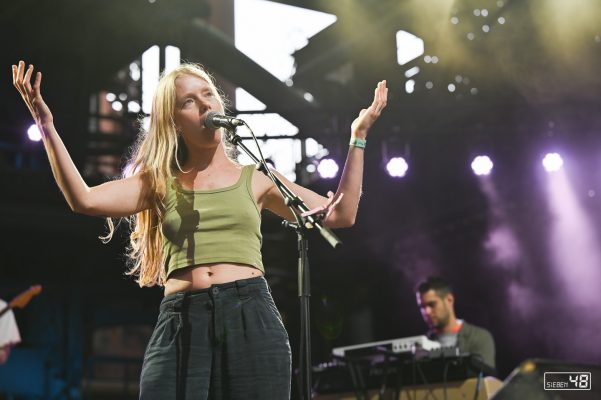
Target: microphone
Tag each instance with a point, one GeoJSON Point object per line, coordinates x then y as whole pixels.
{"type": "Point", "coordinates": [215, 121]}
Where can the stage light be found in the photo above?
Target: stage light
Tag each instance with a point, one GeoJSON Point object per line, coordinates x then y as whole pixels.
{"type": "Point", "coordinates": [482, 165]}
{"type": "Point", "coordinates": [412, 72]}
{"type": "Point", "coordinates": [397, 167]}
{"type": "Point", "coordinates": [172, 58]}
{"type": "Point", "coordinates": [34, 133]}
{"type": "Point", "coordinates": [134, 71]}
{"type": "Point", "coordinates": [409, 47]}
{"type": "Point", "coordinates": [410, 86]}
{"type": "Point", "coordinates": [110, 97]}
{"type": "Point", "coordinates": [117, 106]}
{"type": "Point", "coordinates": [312, 148]}
{"type": "Point", "coordinates": [451, 87]}
{"type": "Point", "coordinates": [327, 168]}
{"type": "Point", "coordinates": [133, 107]}
{"type": "Point", "coordinates": [552, 162]}
{"type": "Point", "coordinates": [151, 71]}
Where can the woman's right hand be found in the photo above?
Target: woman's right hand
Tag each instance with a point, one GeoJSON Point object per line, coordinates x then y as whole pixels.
{"type": "Point", "coordinates": [32, 95]}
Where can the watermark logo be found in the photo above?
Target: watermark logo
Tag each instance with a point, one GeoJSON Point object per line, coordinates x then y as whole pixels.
{"type": "Point", "coordinates": [567, 381]}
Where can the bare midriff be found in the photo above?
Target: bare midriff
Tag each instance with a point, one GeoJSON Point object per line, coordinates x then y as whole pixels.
{"type": "Point", "coordinates": [204, 275]}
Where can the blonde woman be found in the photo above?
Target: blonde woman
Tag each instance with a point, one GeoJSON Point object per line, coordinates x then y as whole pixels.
{"type": "Point", "coordinates": [195, 218]}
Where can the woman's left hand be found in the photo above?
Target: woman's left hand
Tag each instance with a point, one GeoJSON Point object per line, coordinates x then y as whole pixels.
{"type": "Point", "coordinates": [323, 212]}
{"type": "Point", "coordinates": [369, 115]}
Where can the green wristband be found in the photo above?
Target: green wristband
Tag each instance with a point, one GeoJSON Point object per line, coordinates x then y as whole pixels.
{"type": "Point", "coordinates": [361, 143]}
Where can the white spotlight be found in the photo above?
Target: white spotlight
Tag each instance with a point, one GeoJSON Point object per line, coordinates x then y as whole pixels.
{"type": "Point", "coordinates": [327, 168]}
{"type": "Point", "coordinates": [397, 167]}
{"type": "Point", "coordinates": [409, 47]}
{"type": "Point", "coordinates": [34, 133]}
{"type": "Point", "coordinates": [552, 162]}
{"type": "Point", "coordinates": [309, 97]}
{"type": "Point", "coordinates": [117, 106]}
{"type": "Point", "coordinates": [482, 165]}
{"type": "Point", "coordinates": [133, 107]}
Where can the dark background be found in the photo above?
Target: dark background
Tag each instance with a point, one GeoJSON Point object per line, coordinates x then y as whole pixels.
{"type": "Point", "coordinates": [538, 89]}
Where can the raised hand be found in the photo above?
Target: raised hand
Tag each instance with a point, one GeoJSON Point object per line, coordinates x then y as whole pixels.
{"type": "Point", "coordinates": [369, 115]}
{"type": "Point", "coordinates": [32, 95]}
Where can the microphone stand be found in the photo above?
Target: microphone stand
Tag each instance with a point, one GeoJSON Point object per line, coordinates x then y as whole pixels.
{"type": "Point", "coordinates": [301, 227]}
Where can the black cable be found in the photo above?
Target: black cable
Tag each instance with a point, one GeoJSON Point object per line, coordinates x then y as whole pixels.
{"type": "Point", "coordinates": [399, 381]}
{"type": "Point", "coordinates": [478, 382]}
{"type": "Point", "coordinates": [267, 170]}
{"type": "Point", "coordinates": [382, 390]}
{"type": "Point", "coordinates": [423, 376]}
{"type": "Point", "coordinates": [445, 383]}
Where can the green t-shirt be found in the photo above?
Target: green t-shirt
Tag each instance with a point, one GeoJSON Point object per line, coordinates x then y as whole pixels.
{"type": "Point", "coordinates": [212, 226]}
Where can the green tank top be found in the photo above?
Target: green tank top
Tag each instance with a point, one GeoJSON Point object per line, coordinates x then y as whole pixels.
{"type": "Point", "coordinates": [212, 226]}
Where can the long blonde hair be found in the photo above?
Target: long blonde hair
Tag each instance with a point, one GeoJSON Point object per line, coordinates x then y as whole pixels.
{"type": "Point", "coordinates": [156, 155]}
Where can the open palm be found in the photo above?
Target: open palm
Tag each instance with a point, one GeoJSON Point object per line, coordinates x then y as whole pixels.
{"type": "Point", "coordinates": [368, 116]}
{"type": "Point", "coordinates": [31, 94]}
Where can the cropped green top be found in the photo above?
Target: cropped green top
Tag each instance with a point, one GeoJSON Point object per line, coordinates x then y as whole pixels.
{"type": "Point", "coordinates": [212, 226]}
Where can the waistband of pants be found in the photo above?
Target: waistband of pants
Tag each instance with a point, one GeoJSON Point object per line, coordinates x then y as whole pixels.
{"type": "Point", "coordinates": [241, 287]}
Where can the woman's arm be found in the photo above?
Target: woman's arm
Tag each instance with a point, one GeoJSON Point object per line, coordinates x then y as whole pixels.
{"type": "Point", "coordinates": [112, 199]}
{"type": "Point", "coordinates": [345, 212]}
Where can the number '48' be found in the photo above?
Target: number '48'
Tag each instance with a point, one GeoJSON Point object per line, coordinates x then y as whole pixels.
{"type": "Point", "coordinates": [580, 380]}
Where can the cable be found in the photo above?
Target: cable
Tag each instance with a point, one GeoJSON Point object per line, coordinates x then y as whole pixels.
{"type": "Point", "coordinates": [423, 376]}
{"type": "Point", "coordinates": [445, 372]}
{"type": "Point", "coordinates": [478, 382]}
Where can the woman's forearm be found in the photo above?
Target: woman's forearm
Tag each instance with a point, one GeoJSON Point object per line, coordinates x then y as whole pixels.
{"type": "Point", "coordinates": [65, 172]}
{"type": "Point", "coordinates": [350, 184]}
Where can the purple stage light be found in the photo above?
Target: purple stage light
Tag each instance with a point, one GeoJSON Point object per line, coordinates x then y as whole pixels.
{"type": "Point", "coordinates": [34, 133]}
{"type": "Point", "coordinates": [397, 167]}
{"type": "Point", "coordinates": [327, 168]}
{"type": "Point", "coordinates": [552, 162]}
{"type": "Point", "coordinates": [482, 165]}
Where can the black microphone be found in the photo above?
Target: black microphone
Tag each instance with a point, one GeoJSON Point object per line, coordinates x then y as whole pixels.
{"type": "Point", "coordinates": [215, 121]}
